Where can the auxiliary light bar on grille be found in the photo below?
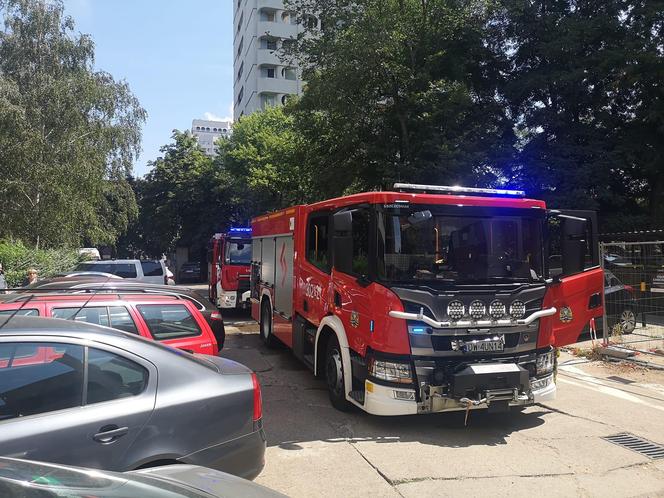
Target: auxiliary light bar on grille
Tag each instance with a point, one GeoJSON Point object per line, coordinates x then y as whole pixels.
{"type": "Point", "coordinates": [468, 323]}
{"type": "Point", "coordinates": [406, 187]}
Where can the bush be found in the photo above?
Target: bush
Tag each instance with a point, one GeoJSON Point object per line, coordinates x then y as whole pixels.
{"type": "Point", "coordinates": [16, 259]}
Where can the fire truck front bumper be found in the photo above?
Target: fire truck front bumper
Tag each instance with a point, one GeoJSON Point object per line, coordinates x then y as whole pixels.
{"type": "Point", "coordinates": [390, 400]}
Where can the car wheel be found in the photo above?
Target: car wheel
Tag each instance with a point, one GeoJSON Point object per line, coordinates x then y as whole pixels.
{"type": "Point", "coordinates": [627, 321]}
{"type": "Point", "coordinates": [334, 376]}
{"type": "Point", "coordinates": [266, 325]}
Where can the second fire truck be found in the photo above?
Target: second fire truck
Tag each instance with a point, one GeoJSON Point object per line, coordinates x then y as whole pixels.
{"type": "Point", "coordinates": [229, 259]}
{"type": "Point", "coordinates": [428, 298]}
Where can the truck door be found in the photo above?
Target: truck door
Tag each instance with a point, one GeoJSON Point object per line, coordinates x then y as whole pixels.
{"type": "Point", "coordinates": [578, 279]}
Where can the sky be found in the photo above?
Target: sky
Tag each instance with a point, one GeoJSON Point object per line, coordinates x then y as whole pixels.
{"type": "Point", "coordinates": [176, 56]}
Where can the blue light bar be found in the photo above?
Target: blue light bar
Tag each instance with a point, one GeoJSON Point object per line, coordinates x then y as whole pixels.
{"type": "Point", "coordinates": [404, 187]}
{"type": "Point", "coordinates": [239, 230]}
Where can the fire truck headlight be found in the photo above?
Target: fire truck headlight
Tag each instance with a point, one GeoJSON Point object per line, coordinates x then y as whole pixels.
{"type": "Point", "coordinates": [497, 309]}
{"type": "Point", "coordinates": [477, 310]}
{"type": "Point", "coordinates": [545, 362]}
{"type": "Point", "coordinates": [390, 371]}
{"type": "Point", "coordinates": [518, 309]}
{"type": "Point", "coordinates": [456, 310]}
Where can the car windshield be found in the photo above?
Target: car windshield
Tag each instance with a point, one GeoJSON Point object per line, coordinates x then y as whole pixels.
{"type": "Point", "coordinates": [238, 252]}
{"type": "Point", "coordinates": [421, 245]}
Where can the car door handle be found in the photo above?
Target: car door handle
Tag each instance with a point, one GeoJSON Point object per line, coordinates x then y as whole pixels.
{"type": "Point", "coordinates": [110, 433]}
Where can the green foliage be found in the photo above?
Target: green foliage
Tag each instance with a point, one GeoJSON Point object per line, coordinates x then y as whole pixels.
{"type": "Point", "coordinates": [183, 200]}
{"type": "Point", "coordinates": [265, 161]}
{"type": "Point", "coordinates": [399, 90]}
{"type": "Point", "coordinates": [582, 89]}
{"type": "Point", "coordinates": [16, 259]}
{"type": "Point", "coordinates": [68, 133]}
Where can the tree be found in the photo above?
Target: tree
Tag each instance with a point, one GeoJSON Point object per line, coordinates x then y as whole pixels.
{"type": "Point", "coordinates": [267, 163]}
{"type": "Point", "coordinates": [584, 90]}
{"type": "Point", "coordinates": [183, 200]}
{"type": "Point", "coordinates": [400, 90]}
{"type": "Point", "coordinates": [68, 133]}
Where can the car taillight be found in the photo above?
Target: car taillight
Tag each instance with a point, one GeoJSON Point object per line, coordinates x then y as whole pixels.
{"type": "Point", "coordinates": [215, 316]}
{"type": "Point", "coordinates": [258, 401]}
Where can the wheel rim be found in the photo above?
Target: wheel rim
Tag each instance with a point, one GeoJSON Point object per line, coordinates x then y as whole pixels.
{"type": "Point", "coordinates": [334, 372]}
{"type": "Point", "coordinates": [627, 321]}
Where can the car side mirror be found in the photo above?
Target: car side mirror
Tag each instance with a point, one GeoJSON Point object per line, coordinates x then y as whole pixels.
{"type": "Point", "coordinates": [342, 241]}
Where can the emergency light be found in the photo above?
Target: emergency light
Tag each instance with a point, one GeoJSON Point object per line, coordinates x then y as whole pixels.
{"type": "Point", "coordinates": [404, 187]}
{"type": "Point", "coordinates": [239, 230]}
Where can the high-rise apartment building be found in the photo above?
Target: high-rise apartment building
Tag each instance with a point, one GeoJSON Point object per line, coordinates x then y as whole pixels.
{"type": "Point", "coordinates": [207, 132]}
{"type": "Point", "coordinates": [261, 27]}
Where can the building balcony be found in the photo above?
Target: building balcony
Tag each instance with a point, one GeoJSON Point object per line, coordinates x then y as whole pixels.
{"type": "Point", "coordinates": [272, 4]}
{"type": "Point", "coordinates": [277, 85]}
{"type": "Point", "coordinates": [277, 29]}
{"type": "Point", "coordinates": [265, 56]}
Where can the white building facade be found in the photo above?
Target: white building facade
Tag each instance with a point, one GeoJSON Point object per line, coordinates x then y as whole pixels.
{"type": "Point", "coordinates": [261, 79]}
{"type": "Point", "coordinates": [207, 132]}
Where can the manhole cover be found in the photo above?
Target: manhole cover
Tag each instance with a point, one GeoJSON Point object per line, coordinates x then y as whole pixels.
{"type": "Point", "coordinates": [638, 444]}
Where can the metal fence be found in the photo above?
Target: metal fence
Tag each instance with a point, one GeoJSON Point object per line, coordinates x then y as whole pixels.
{"type": "Point", "coordinates": [634, 296]}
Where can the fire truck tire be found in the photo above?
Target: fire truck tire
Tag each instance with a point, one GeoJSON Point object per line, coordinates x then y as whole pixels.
{"type": "Point", "coordinates": [266, 324]}
{"type": "Point", "coordinates": [334, 376]}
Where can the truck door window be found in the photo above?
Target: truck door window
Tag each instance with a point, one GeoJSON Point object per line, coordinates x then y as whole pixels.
{"type": "Point", "coordinates": [361, 227]}
{"type": "Point", "coordinates": [317, 241]}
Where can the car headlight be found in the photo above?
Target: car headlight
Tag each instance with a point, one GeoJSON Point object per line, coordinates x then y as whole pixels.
{"type": "Point", "coordinates": [545, 362]}
{"type": "Point", "coordinates": [390, 371]}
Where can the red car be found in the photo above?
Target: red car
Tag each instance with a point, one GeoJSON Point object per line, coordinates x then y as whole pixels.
{"type": "Point", "coordinates": [168, 319]}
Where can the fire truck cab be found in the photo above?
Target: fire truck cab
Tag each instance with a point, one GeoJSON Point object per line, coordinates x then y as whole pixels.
{"type": "Point", "coordinates": [229, 260]}
{"type": "Point", "coordinates": [428, 298]}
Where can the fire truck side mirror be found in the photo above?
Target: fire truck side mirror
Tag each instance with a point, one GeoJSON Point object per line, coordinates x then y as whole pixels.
{"type": "Point", "coordinates": [573, 244]}
{"type": "Point", "coordinates": [342, 241]}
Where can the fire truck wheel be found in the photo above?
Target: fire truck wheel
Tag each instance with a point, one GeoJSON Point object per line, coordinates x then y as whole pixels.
{"type": "Point", "coordinates": [266, 325]}
{"type": "Point", "coordinates": [334, 375]}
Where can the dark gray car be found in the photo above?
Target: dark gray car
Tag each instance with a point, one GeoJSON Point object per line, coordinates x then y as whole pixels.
{"type": "Point", "coordinates": [80, 394]}
{"type": "Point", "coordinates": [30, 479]}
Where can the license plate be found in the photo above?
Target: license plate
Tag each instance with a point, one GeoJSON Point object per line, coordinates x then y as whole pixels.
{"type": "Point", "coordinates": [484, 346]}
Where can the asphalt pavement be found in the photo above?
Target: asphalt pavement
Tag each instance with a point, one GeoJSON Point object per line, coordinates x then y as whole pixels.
{"type": "Point", "coordinates": [553, 449]}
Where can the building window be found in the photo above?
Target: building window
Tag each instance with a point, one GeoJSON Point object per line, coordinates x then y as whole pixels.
{"type": "Point", "coordinates": [268, 72]}
{"type": "Point", "coordinates": [239, 25]}
{"type": "Point", "coordinates": [269, 43]}
{"type": "Point", "coordinates": [310, 21]}
{"type": "Point", "coordinates": [198, 128]}
{"type": "Point", "coordinates": [284, 99]}
{"type": "Point", "coordinates": [240, 95]}
{"type": "Point", "coordinates": [289, 73]}
{"type": "Point", "coordinates": [240, 71]}
{"type": "Point", "coordinates": [267, 15]}
{"type": "Point", "coordinates": [239, 47]}
{"type": "Point", "coordinates": [267, 100]}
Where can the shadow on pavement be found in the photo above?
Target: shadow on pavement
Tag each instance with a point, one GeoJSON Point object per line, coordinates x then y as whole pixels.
{"type": "Point", "coordinates": [296, 409]}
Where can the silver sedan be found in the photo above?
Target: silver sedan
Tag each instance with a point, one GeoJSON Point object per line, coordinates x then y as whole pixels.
{"type": "Point", "coordinates": [80, 394]}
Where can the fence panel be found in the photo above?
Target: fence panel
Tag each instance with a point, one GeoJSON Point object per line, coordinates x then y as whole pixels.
{"type": "Point", "coordinates": [634, 295]}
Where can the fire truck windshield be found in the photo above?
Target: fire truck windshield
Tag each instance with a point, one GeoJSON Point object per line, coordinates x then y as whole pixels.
{"type": "Point", "coordinates": [422, 245]}
{"type": "Point", "coordinates": [238, 252]}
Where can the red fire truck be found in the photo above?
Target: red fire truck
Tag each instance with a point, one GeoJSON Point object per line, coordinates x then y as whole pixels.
{"type": "Point", "coordinates": [229, 257]}
{"type": "Point", "coordinates": [428, 298]}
